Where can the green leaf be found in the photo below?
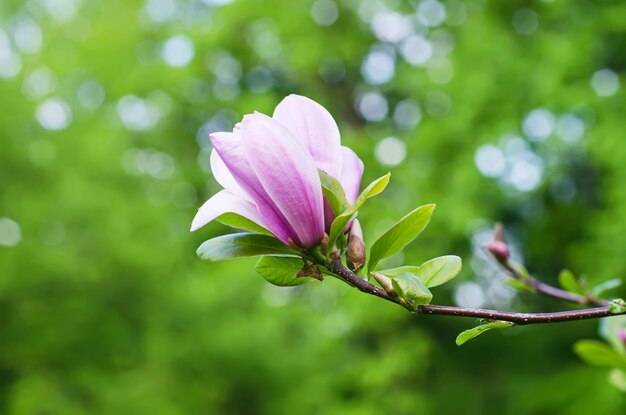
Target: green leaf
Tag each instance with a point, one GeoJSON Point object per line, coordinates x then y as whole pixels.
{"type": "Point", "coordinates": [617, 378]}
{"type": "Point", "coordinates": [333, 190]}
{"type": "Point", "coordinates": [607, 285]}
{"type": "Point", "coordinates": [237, 221]}
{"type": "Point", "coordinates": [281, 270]}
{"type": "Point", "coordinates": [400, 234]}
{"type": "Point", "coordinates": [598, 354]}
{"type": "Point", "coordinates": [518, 285]}
{"type": "Point", "coordinates": [237, 245]}
{"type": "Point", "coordinates": [340, 222]}
{"type": "Point", "coordinates": [435, 272]}
{"type": "Point", "coordinates": [617, 306]}
{"type": "Point", "coordinates": [468, 335]}
{"type": "Point", "coordinates": [568, 281]}
{"type": "Point", "coordinates": [409, 286]}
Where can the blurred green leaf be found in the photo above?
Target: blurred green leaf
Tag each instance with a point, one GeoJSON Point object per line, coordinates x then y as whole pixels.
{"type": "Point", "coordinates": [400, 234]}
{"type": "Point", "coordinates": [333, 190]}
{"type": "Point", "coordinates": [237, 221]}
{"type": "Point", "coordinates": [617, 378]}
{"type": "Point", "coordinates": [340, 222]}
{"type": "Point", "coordinates": [468, 335]}
{"type": "Point", "coordinates": [518, 285]}
{"type": "Point", "coordinates": [609, 329]}
{"type": "Point", "coordinates": [605, 286]}
{"type": "Point", "coordinates": [568, 281]}
{"type": "Point", "coordinates": [238, 245]}
{"type": "Point", "coordinates": [281, 271]}
{"type": "Point", "coordinates": [409, 286]}
{"type": "Point", "coordinates": [434, 272]}
{"type": "Point", "coordinates": [598, 353]}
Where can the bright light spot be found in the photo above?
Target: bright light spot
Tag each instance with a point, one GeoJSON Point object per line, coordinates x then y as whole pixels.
{"type": "Point", "coordinates": [431, 13]}
{"type": "Point", "coordinates": [324, 12]}
{"type": "Point", "coordinates": [137, 114]}
{"type": "Point", "coordinates": [90, 95]}
{"type": "Point", "coordinates": [217, 3]}
{"type": "Point", "coordinates": [178, 51]}
{"type": "Point", "coordinates": [416, 50]}
{"type": "Point", "coordinates": [10, 62]}
{"type": "Point", "coordinates": [61, 10]}
{"type": "Point", "coordinates": [456, 12]}
{"type": "Point", "coordinates": [538, 124]}
{"type": "Point", "coordinates": [332, 69]}
{"type": "Point", "coordinates": [514, 145]}
{"type": "Point", "coordinates": [391, 27]}
{"type": "Point", "coordinates": [438, 104]}
{"type": "Point", "coordinates": [373, 106]}
{"type": "Point", "coordinates": [525, 173]}
{"type": "Point", "coordinates": [39, 83]}
{"type": "Point", "coordinates": [10, 232]}
{"type": "Point", "coordinates": [469, 295]}
{"type": "Point", "coordinates": [570, 128]}
{"type": "Point", "coordinates": [54, 114]}
{"type": "Point", "coordinates": [442, 41]}
{"type": "Point", "coordinates": [525, 21]}
{"type": "Point", "coordinates": [490, 161]}
{"type": "Point", "coordinates": [440, 70]}
{"type": "Point", "coordinates": [41, 153]}
{"type": "Point", "coordinates": [28, 37]}
{"type": "Point", "coordinates": [390, 151]}
{"type": "Point", "coordinates": [160, 10]}
{"type": "Point", "coordinates": [149, 162]}
{"type": "Point", "coordinates": [379, 66]}
{"type": "Point", "coordinates": [227, 69]}
{"type": "Point", "coordinates": [260, 79]}
{"type": "Point", "coordinates": [605, 82]}
{"type": "Point", "coordinates": [261, 36]}
{"type": "Point", "coordinates": [407, 114]}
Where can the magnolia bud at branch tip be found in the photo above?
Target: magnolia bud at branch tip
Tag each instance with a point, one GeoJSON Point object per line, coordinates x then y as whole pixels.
{"type": "Point", "coordinates": [384, 282]}
{"type": "Point", "coordinates": [498, 247]}
{"type": "Point", "coordinates": [356, 247]}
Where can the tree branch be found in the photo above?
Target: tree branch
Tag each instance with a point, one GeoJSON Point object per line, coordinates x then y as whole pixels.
{"type": "Point", "coordinates": [337, 268]}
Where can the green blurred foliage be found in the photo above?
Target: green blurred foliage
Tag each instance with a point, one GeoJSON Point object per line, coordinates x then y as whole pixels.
{"type": "Point", "coordinates": [104, 307]}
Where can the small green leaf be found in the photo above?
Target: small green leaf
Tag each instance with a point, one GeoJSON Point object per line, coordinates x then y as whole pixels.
{"type": "Point", "coordinates": [237, 245]}
{"type": "Point", "coordinates": [519, 285]}
{"type": "Point", "coordinates": [521, 269]}
{"type": "Point", "coordinates": [237, 221]}
{"type": "Point", "coordinates": [433, 273]}
{"type": "Point", "coordinates": [617, 306]}
{"type": "Point", "coordinates": [409, 286]}
{"type": "Point", "coordinates": [568, 281]}
{"type": "Point", "coordinates": [400, 234]}
{"type": "Point", "coordinates": [281, 270]}
{"type": "Point", "coordinates": [598, 353]}
{"type": "Point", "coordinates": [340, 222]}
{"type": "Point", "coordinates": [333, 190]}
{"type": "Point", "coordinates": [607, 285]}
{"type": "Point", "coordinates": [468, 335]}
{"type": "Point", "coordinates": [617, 378]}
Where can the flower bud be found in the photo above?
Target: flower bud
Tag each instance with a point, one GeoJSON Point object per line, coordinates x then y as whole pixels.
{"type": "Point", "coordinates": [356, 247]}
{"type": "Point", "coordinates": [498, 247]}
{"type": "Point", "coordinates": [384, 282]}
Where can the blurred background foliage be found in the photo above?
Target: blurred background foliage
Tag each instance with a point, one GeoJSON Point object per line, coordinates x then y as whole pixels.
{"type": "Point", "coordinates": [497, 111]}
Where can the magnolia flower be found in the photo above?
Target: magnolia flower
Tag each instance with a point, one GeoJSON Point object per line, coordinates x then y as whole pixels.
{"type": "Point", "coordinates": [268, 168]}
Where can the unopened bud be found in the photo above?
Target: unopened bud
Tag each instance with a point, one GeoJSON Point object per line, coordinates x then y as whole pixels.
{"type": "Point", "coordinates": [498, 247]}
{"type": "Point", "coordinates": [356, 247]}
{"type": "Point", "coordinates": [384, 282]}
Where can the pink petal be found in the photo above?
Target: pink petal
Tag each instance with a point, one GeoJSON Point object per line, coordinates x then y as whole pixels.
{"type": "Point", "coordinates": [225, 202]}
{"type": "Point", "coordinates": [351, 174]}
{"type": "Point", "coordinates": [230, 150]}
{"type": "Point", "coordinates": [225, 178]}
{"type": "Point", "coordinates": [313, 125]}
{"type": "Point", "coordinates": [288, 175]}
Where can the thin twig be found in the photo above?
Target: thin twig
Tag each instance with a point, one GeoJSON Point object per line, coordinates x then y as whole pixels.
{"type": "Point", "coordinates": [337, 268]}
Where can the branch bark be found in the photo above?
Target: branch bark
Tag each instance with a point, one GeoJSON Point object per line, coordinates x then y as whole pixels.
{"type": "Point", "coordinates": [337, 268]}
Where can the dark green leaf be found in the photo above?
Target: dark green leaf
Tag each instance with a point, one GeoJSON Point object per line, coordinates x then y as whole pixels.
{"type": "Point", "coordinates": [568, 281]}
{"type": "Point", "coordinates": [237, 221]}
{"type": "Point", "coordinates": [241, 245]}
{"type": "Point", "coordinates": [468, 335]}
{"type": "Point", "coordinates": [400, 234]}
{"type": "Point", "coordinates": [598, 353]}
{"type": "Point", "coordinates": [281, 271]}
{"type": "Point", "coordinates": [340, 222]}
{"type": "Point", "coordinates": [409, 286]}
{"type": "Point", "coordinates": [333, 190]}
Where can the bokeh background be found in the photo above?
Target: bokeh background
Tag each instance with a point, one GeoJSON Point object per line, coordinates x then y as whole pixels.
{"type": "Point", "coordinates": [497, 111]}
